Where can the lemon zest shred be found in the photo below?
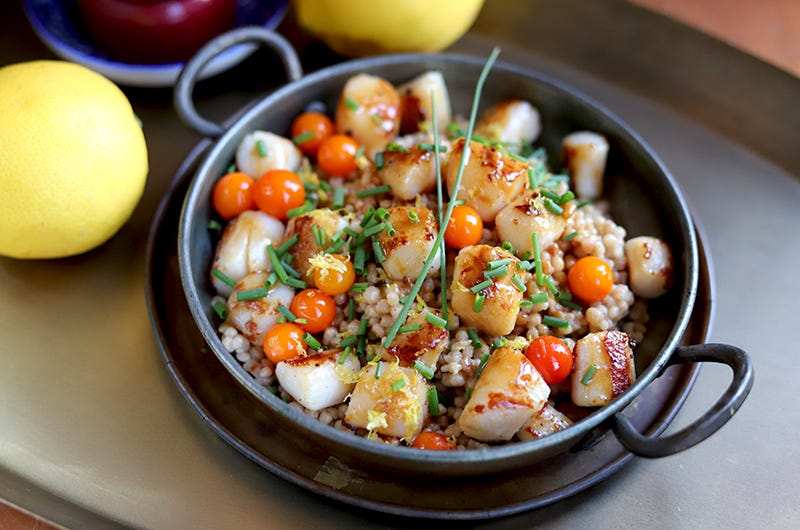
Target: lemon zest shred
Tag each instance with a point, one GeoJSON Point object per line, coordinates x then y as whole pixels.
{"type": "Point", "coordinates": [325, 263]}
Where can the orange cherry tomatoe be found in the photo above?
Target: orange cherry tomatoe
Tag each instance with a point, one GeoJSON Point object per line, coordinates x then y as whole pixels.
{"type": "Point", "coordinates": [317, 308]}
{"type": "Point", "coordinates": [233, 194]}
{"type": "Point", "coordinates": [310, 129]}
{"type": "Point", "coordinates": [551, 357]}
{"type": "Point", "coordinates": [590, 279]}
{"type": "Point", "coordinates": [335, 280]}
{"type": "Point", "coordinates": [337, 155]}
{"type": "Point", "coordinates": [277, 191]}
{"type": "Point", "coordinates": [284, 341]}
{"type": "Point", "coordinates": [464, 228]}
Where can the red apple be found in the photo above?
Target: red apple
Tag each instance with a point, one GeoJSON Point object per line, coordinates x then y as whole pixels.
{"type": "Point", "coordinates": [155, 31]}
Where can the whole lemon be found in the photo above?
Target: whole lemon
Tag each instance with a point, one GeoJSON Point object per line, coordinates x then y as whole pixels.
{"type": "Point", "coordinates": [73, 159]}
{"type": "Point", "coordinates": [366, 27]}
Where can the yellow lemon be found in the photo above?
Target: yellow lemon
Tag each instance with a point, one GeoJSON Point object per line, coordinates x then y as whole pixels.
{"type": "Point", "coordinates": [366, 27]}
{"type": "Point", "coordinates": [73, 159]}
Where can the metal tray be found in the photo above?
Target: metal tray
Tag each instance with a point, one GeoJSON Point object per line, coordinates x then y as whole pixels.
{"type": "Point", "coordinates": [240, 420]}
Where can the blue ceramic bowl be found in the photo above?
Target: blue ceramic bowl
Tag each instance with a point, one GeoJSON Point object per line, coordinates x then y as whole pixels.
{"type": "Point", "coordinates": [58, 25]}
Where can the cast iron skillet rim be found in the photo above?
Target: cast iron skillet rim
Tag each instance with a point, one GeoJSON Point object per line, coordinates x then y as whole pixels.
{"type": "Point", "coordinates": [596, 418]}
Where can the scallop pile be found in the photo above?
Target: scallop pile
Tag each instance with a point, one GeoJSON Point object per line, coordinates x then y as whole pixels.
{"type": "Point", "coordinates": [340, 291]}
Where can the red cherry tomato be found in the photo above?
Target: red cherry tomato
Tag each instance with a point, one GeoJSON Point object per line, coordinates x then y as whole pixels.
{"type": "Point", "coordinates": [310, 129]}
{"type": "Point", "coordinates": [277, 191]}
{"type": "Point", "coordinates": [551, 357]}
{"type": "Point", "coordinates": [284, 341]}
{"type": "Point", "coordinates": [465, 227]}
{"type": "Point", "coordinates": [337, 155]}
{"type": "Point", "coordinates": [318, 308]}
{"type": "Point", "coordinates": [432, 441]}
{"type": "Point", "coordinates": [590, 279]}
{"type": "Point", "coordinates": [233, 194]}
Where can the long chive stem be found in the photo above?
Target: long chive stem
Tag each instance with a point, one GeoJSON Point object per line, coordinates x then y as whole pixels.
{"type": "Point", "coordinates": [440, 202]}
{"type": "Point", "coordinates": [451, 204]}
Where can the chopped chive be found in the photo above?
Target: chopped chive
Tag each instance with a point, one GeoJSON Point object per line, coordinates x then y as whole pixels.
{"type": "Point", "coordinates": [323, 184]}
{"type": "Point", "coordinates": [477, 305]}
{"type": "Point", "coordinates": [482, 365]}
{"type": "Point", "coordinates": [271, 280]}
{"type": "Point", "coordinates": [508, 247]}
{"type": "Point", "coordinates": [286, 245]}
{"type": "Point", "coordinates": [220, 309]}
{"type": "Point", "coordinates": [320, 237]}
{"type": "Point", "coordinates": [397, 385]}
{"type": "Point", "coordinates": [378, 369]}
{"type": "Point", "coordinates": [433, 401]}
{"type": "Point", "coordinates": [286, 312]}
{"type": "Point", "coordinates": [389, 228]}
{"type": "Point", "coordinates": [554, 208]}
{"type": "Point", "coordinates": [477, 288]}
{"type": "Point", "coordinates": [301, 321]}
{"type": "Point", "coordinates": [300, 210]}
{"type": "Point", "coordinates": [344, 355]}
{"type": "Point", "coordinates": [363, 325]}
{"type": "Point", "coordinates": [309, 339]}
{"type": "Point", "coordinates": [349, 231]}
{"type": "Point", "coordinates": [519, 283]}
{"type": "Point", "coordinates": [224, 278]}
{"type": "Point", "coordinates": [352, 105]}
{"type": "Point", "coordinates": [338, 198]}
{"type": "Point", "coordinates": [302, 138]}
{"type": "Point", "coordinates": [436, 320]}
{"type": "Point", "coordinates": [359, 287]}
{"type": "Point", "coordinates": [382, 213]}
{"type": "Point", "coordinates": [373, 230]}
{"type": "Point", "coordinates": [377, 190]}
{"type": "Point", "coordinates": [459, 202]}
{"type": "Point", "coordinates": [367, 217]}
{"type": "Point", "coordinates": [525, 303]}
{"type": "Point", "coordinates": [564, 296]}
{"type": "Point", "coordinates": [500, 343]}
{"type": "Point", "coordinates": [376, 119]}
{"type": "Point", "coordinates": [423, 369]}
{"type": "Point", "coordinates": [351, 309]}
{"type": "Point", "coordinates": [379, 160]}
{"type": "Point", "coordinates": [361, 347]}
{"type": "Point", "coordinates": [548, 282]}
{"type": "Point", "coordinates": [537, 258]}
{"type": "Point", "coordinates": [412, 215]}
{"type": "Point", "coordinates": [214, 225]}
{"type": "Point", "coordinates": [394, 147]}
{"type": "Point", "coordinates": [261, 148]}
{"type": "Point", "coordinates": [584, 203]}
{"type": "Point", "coordinates": [380, 257]}
{"type": "Point", "coordinates": [473, 336]}
{"type": "Point", "coordinates": [554, 322]}
{"type": "Point", "coordinates": [525, 265]}
{"type": "Point", "coordinates": [549, 194]}
{"type": "Point", "coordinates": [495, 273]}
{"type": "Point", "coordinates": [588, 374]}
{"type": "Point", "coordinates": [410, 327]}
{"type": "Point", "coordinates": [570, 235]}
{"type": "Point", "coordinates": [499, 263]}
{"type": "Point", "coordinates": [294, 282]}
{"type": "Point", "coordinates": [565, 198]}
{"type": "Point", "coordinates": [310, 187]}
{"type": "Point", "coordinates": [359, 261]}
{"type": "Point", "coordinates": [231, 168]}
{"type": "Point", "coordinates": [335, 247]}
{"type": "Point", "coordinates": [431, 147]}
{"type": "Point", "coordinates": [526, 256]}
{"type": "Point", "coordinates": [539, 298]}
{"type": "Point", "coordinates": [349, 341]}
{"type": "Point", "coordinates": [359, 152]}
{"type": "Point", "coordinates": [390, 335]}
{"type": "Point", "coordinates": [570, 304]}
{"type": "Point", "coordinates": [251, 294]}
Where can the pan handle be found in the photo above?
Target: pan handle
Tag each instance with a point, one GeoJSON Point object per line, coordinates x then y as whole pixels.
{"type": "Point", "coordinates": [707, 424]}
{"type": "Point", "coordinates": [184, 86]}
